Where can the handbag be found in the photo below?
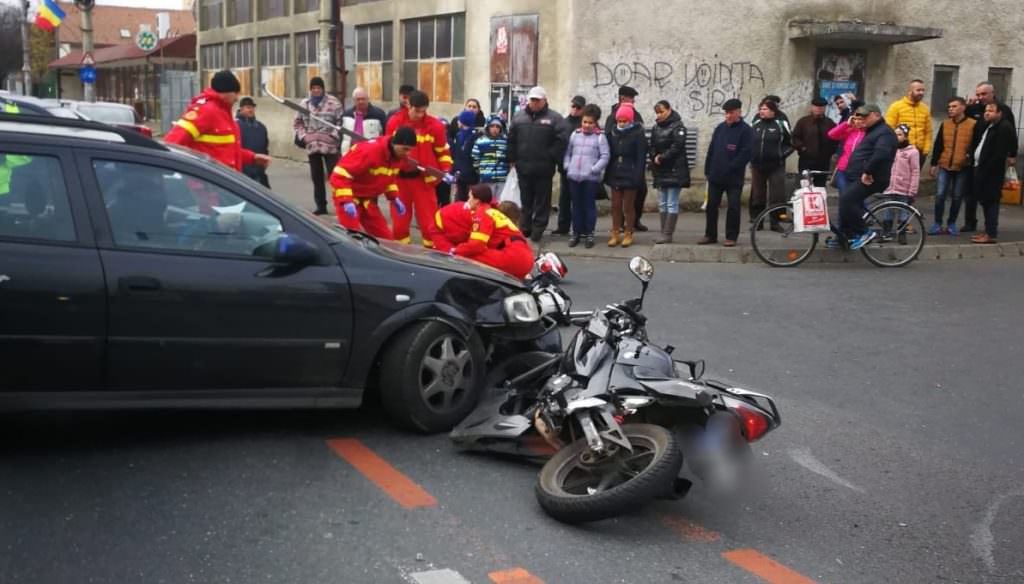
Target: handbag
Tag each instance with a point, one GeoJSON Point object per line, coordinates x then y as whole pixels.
{"type": "Point", "coordinates": [810, 211]}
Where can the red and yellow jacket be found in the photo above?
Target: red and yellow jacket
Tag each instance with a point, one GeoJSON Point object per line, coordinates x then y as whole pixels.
{"type": "Point", "coordinates": [453, 225]}
{"type": "Point", "coordinates": [367, 170]}
{"type": "Point", "coordinates": [431, 142]}
{"type": "Point", "coordinates": [490, 229]}
{"type": "Point", "coordinates": [207, 126]}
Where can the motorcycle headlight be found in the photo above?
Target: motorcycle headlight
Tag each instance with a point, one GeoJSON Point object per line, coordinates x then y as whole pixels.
{"type": "Point", "coordinates": [521, 308]}
{"type": "Point", "coordinates": [552, 303]}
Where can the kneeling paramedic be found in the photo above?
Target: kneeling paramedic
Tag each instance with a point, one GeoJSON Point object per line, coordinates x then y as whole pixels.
{"type": "Point", "coordinates": [493, 238]}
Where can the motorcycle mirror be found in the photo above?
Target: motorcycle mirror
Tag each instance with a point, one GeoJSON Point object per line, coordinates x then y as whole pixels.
{"type": "Point", "coordinates": [642, 268]}
{"type": "Point", "coordinates": [696, 368]}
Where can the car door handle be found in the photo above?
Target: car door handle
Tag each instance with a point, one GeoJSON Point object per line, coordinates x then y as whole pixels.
{"type": "Point", "coordinates": [139, 284]}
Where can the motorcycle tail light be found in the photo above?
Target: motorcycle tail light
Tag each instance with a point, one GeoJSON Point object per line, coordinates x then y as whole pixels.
{"type": "Point", "coordinates": [754, 425]}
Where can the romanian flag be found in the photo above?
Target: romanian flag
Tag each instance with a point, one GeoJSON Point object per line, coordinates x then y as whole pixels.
{"type": "Point", "coordinates": [50, 15]}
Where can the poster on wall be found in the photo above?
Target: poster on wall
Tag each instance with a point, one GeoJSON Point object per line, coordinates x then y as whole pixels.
{"type": "Point", "coordinates": [839, 72]}
{"type": "Point", "coordinates": [507, 99]}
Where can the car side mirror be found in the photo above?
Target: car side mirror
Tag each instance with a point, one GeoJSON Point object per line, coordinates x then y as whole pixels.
{"type": "Point", "coordinates": [292, 250]}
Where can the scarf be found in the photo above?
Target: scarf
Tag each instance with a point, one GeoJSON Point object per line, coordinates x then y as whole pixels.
{"type": "Point", "coordinates": [316, 101]}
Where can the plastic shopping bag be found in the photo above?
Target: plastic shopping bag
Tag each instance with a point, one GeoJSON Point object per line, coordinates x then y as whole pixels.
{"type": "Point", "coordinates": [811, 212]}
{"type": "Point", "coordinates": [704, 205]}
{"type": "Point", "coordinates": [1011, 188]}
{"type": "Point", "coordinates": [511, 190]}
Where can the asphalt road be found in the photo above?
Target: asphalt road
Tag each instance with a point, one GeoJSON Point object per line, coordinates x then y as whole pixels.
{"type": "Point", "coordinates": [899, 459]}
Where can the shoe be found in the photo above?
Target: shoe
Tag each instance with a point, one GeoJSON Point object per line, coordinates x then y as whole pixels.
{"type": "Point", "coordinates": [863, 239]}
{"type": "Point", "coordinates": [640, 227]}
{"type": "Point", "coordinates": [935, 229]}
{"type": "Point", "coordinates": [628, 239]}
{"type": "Point", "coordinates": [729, 243]}
{"type": "Point", "coordinates": [574, 241]}
{"type": "Point", "coordinates": [910, 228]}
{"type": "Point", "coordinates": [588, 242]}
{"type": "Point", "coordinates": [902, 237]}
{"type": "Point", "coordinates": [536, 236]}
{"type": "Point", "coordinates": [670, 229]}
{"type": "Point", "coordinates": [969, 228]}
{"type": "Point", "coordinates": [952, 230]}
{"type": "Point", "coordinates": [983, 238]}
{"type": "Point", "coordinates": [706, 241]}
{"type": "Point", "coordinates": [560, 231]}
{"type": "Point", "coordinates": [527, 233]}
{"type": "Point", "coordinates": [833, 243]}
{"type": "Point", "coordinates": [613, 241]}
{"type": "Point", "coordinates": [320, 211]}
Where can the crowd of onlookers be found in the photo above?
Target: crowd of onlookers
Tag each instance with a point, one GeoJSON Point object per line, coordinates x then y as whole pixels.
{"type": "Point", "coordinates": [863, 153]}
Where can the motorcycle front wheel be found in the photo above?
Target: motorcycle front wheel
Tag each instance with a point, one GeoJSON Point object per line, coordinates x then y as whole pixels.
{"type": "Point", "coordinates": [577, 486]}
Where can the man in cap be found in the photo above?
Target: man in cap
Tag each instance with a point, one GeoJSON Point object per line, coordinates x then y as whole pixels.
{"type": "Point", "coordinates": [628, 95]}
{"type": "Point", "coordinates": [368, 170]}
{"type": "Point", "coordinates": [574, 119]}
{"type": "Point", "coordinates": [321, 141]}
{"type": "Point", "coordinates": [867, 173]}
{"type": "Point", "coordinates": [811, 141]}
{"type": "Point", "coordinates": [254, 137]}
{"type": "Point", "coordinates": [207, 125]}
{"type": "Point", "coordinates": [536, 142]}
{"type": "Point", "coordinates": [725, 167]}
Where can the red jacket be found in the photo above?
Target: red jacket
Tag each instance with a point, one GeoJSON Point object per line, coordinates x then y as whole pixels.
{"type": "Point", "coordinates": [431, 142]}
{"type": "Point", "coordinates": [367, 170]}
{"type": "Point", "coordinates": [453, 225]}
{"type": "Point", "coordinates": [490, 229]}
{"type": "Point", "coordinates": [207, 126]}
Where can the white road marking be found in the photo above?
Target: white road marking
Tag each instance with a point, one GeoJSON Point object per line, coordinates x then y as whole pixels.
{"type": "Point", "coordinates": [981, 539]}
{"type": "Point", "coordinates": [804, 458]}
{"type": "Point", "coordinates": [438, 577]}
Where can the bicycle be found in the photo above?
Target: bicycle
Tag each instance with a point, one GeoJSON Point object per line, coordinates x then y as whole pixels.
{"type": "Point", "coordinates": [899, 228]}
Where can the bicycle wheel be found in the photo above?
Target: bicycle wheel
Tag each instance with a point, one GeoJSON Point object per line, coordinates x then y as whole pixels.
{"type": "Point", "coordinates": [900, 234]}
{"type": "Point", "coordinates": [775, 242]}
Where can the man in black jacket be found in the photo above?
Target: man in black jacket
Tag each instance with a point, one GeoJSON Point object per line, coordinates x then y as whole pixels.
{"type": "Point", "coordinates": [994, 149]}
{"type": "Point", "coordinates": [725, 166]}
{"type": "Point", "coordinates": [868, 173]}
{"type": "Point", "coordinates": [628, 95]}
{"type": "Point", "coordinates": [537, 140]}
{"type": "Point", "coordinates": [254, 137]}
{"type": "Point", "coordinates": [574, 119]}
{"type": "Point", "coordinates": [984, 94]}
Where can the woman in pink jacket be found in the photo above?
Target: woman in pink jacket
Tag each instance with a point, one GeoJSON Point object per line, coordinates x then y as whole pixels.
{"type": "Point", "coordinates": [850, 133]}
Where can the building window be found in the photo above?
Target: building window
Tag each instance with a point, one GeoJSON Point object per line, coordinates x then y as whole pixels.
{"type": "Point", "coordinates": [306, 6]}
{"type": "Point", "coordinates": [374, 62]}
{"type": "Point", "coordinates": [211, 17]}
{"type": "Point", "coordinates": [307, 61]}
{"type": "Point", "coordinates": [239, 12]}
{"type": "Point", "coordinates": [1000, 78]}
{"type": "Point", "coordinates": [275, 62]}
{"type": "Point", "coordinates": [434, 59]}
{"type": "Point", "coordinates": [240, 62]}
{"type": "Point", "coordinates": [273, 9]}
{"type": "Point", "coordinates": [945, 81]}
{"type": "Point", "coordinates": [211, 60]}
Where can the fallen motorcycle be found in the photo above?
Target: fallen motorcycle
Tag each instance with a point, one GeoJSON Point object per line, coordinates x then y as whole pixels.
{"type": "Point", "coordinates": [615, 413]}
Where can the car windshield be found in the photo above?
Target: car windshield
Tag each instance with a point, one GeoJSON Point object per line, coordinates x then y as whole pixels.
{"type": "Point", "coordinates": [108, 115]}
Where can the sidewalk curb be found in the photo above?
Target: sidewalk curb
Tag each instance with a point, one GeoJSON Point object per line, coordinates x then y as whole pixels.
{"type": "Point", "coordinates": [742, 254]}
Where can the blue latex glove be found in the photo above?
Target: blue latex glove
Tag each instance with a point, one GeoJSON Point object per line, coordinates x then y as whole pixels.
{"type": "Point", "coordinates": [449, 178]}
{"type": "Point", "coordinates": [399, 206]}
{"type": "Point", "coordinates": [350, 209]}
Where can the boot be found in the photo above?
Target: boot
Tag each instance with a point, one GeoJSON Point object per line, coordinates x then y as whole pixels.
{"type": "Point", "coordinates": [669, 229]}
{"type": "Point", "coordinates": [628, 239]}
{"type": "Point", "coordinates": [614, 239]}
{"type": "Point", "coordinates": [662, 217]}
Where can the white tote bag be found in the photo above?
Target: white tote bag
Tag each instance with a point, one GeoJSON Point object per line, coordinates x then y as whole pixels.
{"type": "Point", "coordinates": [810, 211]}
{"type": "Point", "coordinates": [511, 190]}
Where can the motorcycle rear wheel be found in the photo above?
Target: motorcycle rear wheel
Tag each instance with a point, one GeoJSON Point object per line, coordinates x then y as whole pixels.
{"type": "Point", "coordinates": [573, 489]}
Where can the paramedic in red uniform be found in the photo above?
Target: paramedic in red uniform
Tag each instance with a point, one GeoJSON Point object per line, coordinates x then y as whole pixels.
{"type": "Point", "coordinates": [366, 171]}
{"type": "Point", "coordinates": [416, 188]}
{"type": "Point", "coordinates": [453, 225]}
{"type": "Point", "coordinates": [494, 239]}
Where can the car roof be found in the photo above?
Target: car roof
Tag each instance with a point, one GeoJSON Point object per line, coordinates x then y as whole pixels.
{"type": "Point", "coordinates": [27, 103]}
{"type": "Point", "coordinates": [47, 125]}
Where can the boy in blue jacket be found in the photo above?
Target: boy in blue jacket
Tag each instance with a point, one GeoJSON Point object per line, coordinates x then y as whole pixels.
{"type": "Point", "coordinates": [490, 156]}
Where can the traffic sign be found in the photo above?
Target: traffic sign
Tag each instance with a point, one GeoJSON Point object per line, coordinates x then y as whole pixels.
{"type": "Point", "coordinates": [87, 74]}
{"type": "Point", "coordinates": [87, 60]}
{"type": "Point", "coordinates": [145, 40]}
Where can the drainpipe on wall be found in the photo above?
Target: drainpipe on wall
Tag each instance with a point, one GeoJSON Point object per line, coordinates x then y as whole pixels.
{"type": "Point", "coordinates": [325, 56]}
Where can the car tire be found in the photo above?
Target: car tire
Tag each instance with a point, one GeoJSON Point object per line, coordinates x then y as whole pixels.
{"type": "Point", "coordinates": [431, 377]}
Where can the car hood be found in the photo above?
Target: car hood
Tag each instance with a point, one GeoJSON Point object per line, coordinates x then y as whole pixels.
{"type": "Point", "coordinates": [420, 256]}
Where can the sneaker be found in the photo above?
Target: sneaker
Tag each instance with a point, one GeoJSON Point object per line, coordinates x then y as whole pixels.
{"type": "Point", "coordinates": [935, 229]}
{"type": "Point", "coordinates": [574, 241]}
{"type": "Point", "coordinates": [863, 239]}
{"type": "Point", "coordinates": [588, 242]}
{"type": "Point", "coordinates": [952, 230]}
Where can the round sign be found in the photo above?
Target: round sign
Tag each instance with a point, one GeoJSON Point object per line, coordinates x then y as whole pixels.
{"type": "Point", "coordinates": [145, 40]}
{"type": "Point", "coordinates": [87, 74]}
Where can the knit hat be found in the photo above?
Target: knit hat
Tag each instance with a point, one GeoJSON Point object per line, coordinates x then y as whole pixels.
{"type": "Point", "coordinates": [225, 82]}
{"type": "Point", "coordinates": [317, 81]}
{"type": "Point", "coordinates": [625, 112]}
{"type": "Point", "coordinates": [404, 136]}
{"type": "Point", "coordinates": [496, 120]}
{"type": "Point", "coordinates": [246, 101]}
{"type": "Point", "coordinates": [467, 118]}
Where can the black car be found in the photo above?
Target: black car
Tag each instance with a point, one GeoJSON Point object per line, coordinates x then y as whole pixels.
{"type": "Point", "coordinates": [136, 274]}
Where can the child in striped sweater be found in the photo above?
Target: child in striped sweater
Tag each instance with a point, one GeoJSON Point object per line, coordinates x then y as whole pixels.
{"type": "Point", "coordinates": [490, 156]}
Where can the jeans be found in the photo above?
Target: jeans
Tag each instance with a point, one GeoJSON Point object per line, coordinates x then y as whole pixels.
{"type": "Point", "coordinates": [841, 181]}
{"type": "Point", "coordinates": [732, 216]}
{"type": "Point", "coordinates": [959, 180]}
{"type": "Point", "coordinates": [317, 163]}
{"type": "Point", "coordinates": [903, 214]}
{"type": "Point", "coordinates": [851, 207]}
{"type": "Point", "coordinates": [668, 200]}
{"type": "Point", "coordinates": [535, 192]}
{"type": "Point", "coordinates": [584, 206]}
{"type": "Point", "coordinates": [565, 207]}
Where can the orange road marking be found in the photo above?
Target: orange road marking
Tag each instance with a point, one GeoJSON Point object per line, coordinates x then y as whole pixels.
{"type": "Point", "coordinates": [689, 529]}
{"type": "Point", "coordinates": [514, 576]}
{"type": "Point", "coordinates": [765, 568]}
{"type": "Point", "coordinates": [397, 486]}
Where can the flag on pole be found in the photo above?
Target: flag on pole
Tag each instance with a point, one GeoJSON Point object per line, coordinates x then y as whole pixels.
{"type": "Point", "coordinates": [49, 16]}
